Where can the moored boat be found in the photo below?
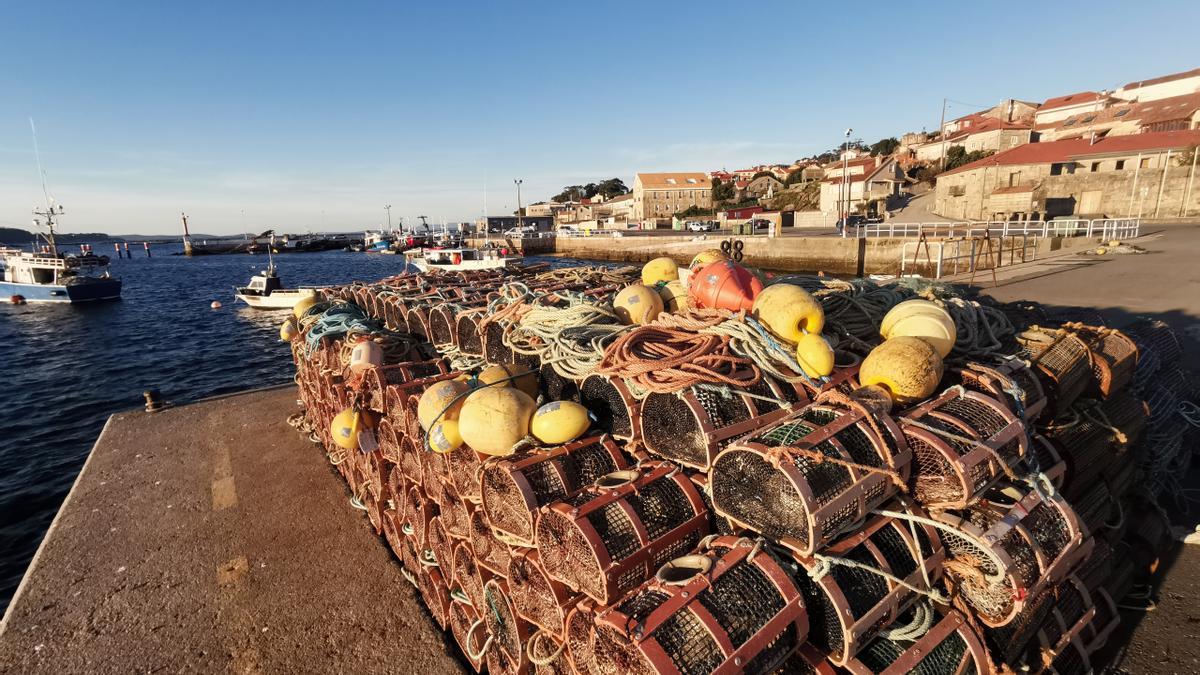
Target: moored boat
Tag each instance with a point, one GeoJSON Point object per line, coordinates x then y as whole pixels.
{"type": "Point", "coordinates": [49, 275]}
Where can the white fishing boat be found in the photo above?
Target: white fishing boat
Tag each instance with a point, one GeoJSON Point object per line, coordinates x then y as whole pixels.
{"type": "Point", "coordinates": [49, 275]}
{"type": "Point", "coordinates": [460, 259]}
{"type": "Point", "coordinates": [266, 291]}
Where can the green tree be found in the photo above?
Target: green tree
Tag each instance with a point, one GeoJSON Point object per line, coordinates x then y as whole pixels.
{"type": "Point", "coordinates": [613, 187]}
{"type": "Point", "coordinates": [694, 212]}
{"type": "Point", "coordinates": [957, 156]}
{"type": "Point", "coordinates": [721, 191]}
{"type": "Point", "coordinates": [761, 174]}
{"type": "Point", "coordinates": [885, 147]}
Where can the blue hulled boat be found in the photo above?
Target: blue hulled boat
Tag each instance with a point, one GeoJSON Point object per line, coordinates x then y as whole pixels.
{"type": "Point", "coordinates": [50, 275]}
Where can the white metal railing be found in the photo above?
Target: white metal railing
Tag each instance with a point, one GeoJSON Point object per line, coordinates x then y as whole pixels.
{"type": "Point", "coordinates": [1108, 228]}
{"type": "Point", "coordinates": [954, 256]}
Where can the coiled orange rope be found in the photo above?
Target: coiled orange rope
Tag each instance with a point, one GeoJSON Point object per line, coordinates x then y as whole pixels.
{"type": "Point", "coordinates": [665, 360]}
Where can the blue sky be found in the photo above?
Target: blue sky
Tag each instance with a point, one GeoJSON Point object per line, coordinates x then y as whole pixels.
{"type": "Point", "coordinates": [307, 115]}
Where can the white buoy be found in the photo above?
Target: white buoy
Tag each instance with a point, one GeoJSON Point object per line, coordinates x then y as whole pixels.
{"type": "Point", "coordinates": [216, 304]}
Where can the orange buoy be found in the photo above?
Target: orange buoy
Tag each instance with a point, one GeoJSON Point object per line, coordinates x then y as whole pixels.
{"type": "Point", "coordinates": [457, 258]}
{"type": "Point", "coordinates": [17, 299]}
{"type": "Point", "coordinates": [723, 285]}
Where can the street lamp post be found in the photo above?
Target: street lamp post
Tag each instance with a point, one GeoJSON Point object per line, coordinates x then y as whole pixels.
{"type": "Point", "coordinates": [846, 180]}
{"type": "Point", "coordinates": [520, 220]}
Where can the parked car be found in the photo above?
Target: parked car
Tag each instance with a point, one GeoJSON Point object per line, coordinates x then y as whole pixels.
{"type": "Point", "coordinates": [852, 221]}
{"type": "Point", "coordinates": [701, 225]}
{"type": "Point", "coordinates": [760, 225]}
{"type": "Point", "coordinates": [522, 231]}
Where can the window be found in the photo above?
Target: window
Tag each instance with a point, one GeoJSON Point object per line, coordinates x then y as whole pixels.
{"type": "Point", "coordinates": [1095, 167]}
{"type": "Point", "coordinates": [1120, 165]}
{"type": "Point", "coordinates": [1014, 179]}
{"type": "Point", "coordinates": [1145, 163]}
{"type": "Point", "coordinates": [1060, 168]}
{"type": "Point", "coordinates": [1122, 112]}
{"type": "Point", "coordinates": [1087, 119]}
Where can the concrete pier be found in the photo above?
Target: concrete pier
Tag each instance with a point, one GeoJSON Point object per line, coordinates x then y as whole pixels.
{"type": "Point", "coordinates": [214, 538]}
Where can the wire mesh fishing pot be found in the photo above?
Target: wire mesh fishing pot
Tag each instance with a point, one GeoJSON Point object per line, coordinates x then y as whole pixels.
{"type": "Point", "coordinates": [462, 618]}
{"type": "Point", "coordinates": [729, 607]}
{"type": "Point", "coordinates": [418, 511]}
{"type": "Point", "coordinates": [1045, 457]}
{"type": "Point", "coordinates": [465, 466]}
{"type": "Point", "coordinates": [1010, 381]}
{"type": "Point", "coordinates": [1062, 362]}
{"type": "Point", "coordinates": [850, 591]}
{"type": "Point", "coordinates": [418, 319]}
{"type": "Point", "coordinates": [492, 338]}
{"type": "Point", "coordinates": [456, 514]}
{"type": "Point", "coordinates": [410, 458]}
{"type": "Point", "coordinates": [693, 425]}
{"type": "Point", "coordinates": [548, 654]}
{"type": "Point", "coordinates": [489, 551]}
{"type": "Point", "coordinates": [433, 589]}
{"type": "Point", "coordinates": [513, 488]}
{"type": "Point", "coordinates": [579, 628]}
{"type": "Point", "coordinates": [962, 442]}
{"type": "Point", "coordinates": [466, 329]}
{"type": "Point", "coordinates": [1094, 505]}
{"type": "Point", "coordinates": [439, 547]}
{"type": "Point", "coordinates": [443, 324]}
{"type": "Point", "coordinates": [950, 645]}
{"type": "Point", "coordinates": [1113, 357]}
{"type": "Point", "coordinates": [555, 387]}
{"type": "Point", "coordinates": [468, 575]}
{"type": "Point", "coordinates": [1010, 546]}
{"type": "Point", "coordinates": [434, 475]}
{"type": "Point", "coordinates": [607, 538]}
{"type": "Point", "coordinates": [400, 400]}
{"type": "Point", "coordinates": [507, 631]}
{"type": "Point", "coordinates": [1157, 347]}
{"type": "Point", "coordinates": [612, 404]}
{"type": "Point", "coordinates": [808, 477]}
{"type": "Point", "coordinates": [536, 597]}
{"type": "Point", "coordinates": [1094, 432]}
{"type": "Point", "coordinates": [388, 440]}
{"type": "Point", "coordinates": [1072, 613]}
{"type": "Point", "coordinates": [377, 380]}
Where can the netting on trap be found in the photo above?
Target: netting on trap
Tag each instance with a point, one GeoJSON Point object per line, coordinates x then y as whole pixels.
{"type": "Point", "coordinates": [508, 632]}
{"type": "Point", "coordinates": [464, 466]}
{"type": "Point", "coordinates": [962, 442]}
{"type": "Point", "coordinates": [693, 425]}
{"type": "Point", "coordinates": [418, 511]}
{"type": "Point", "coordinates": [466, 329]}
{"type": "Point", "coordinates": [555, 387]}
{"type": "Point", "coordinates": [418, 319]}
{"type": "Point", "coordinates": [581, 622]}
{"type": "Point", "coordinates": [443, 322]}
{"type": "Point", "coordinates": [456, 514]}
{"type": "Point", "coordinates": [1062, 362]}
{"type": "Point", "coordinates": [1093, 432]}
{"type": "Point", "coordinates": [515, 487]}
{"type": "Point", "coordinates": [1095, 506]}
{"type": "Point", "coordinates": [375, 381]}
{"type": "Point", "coordinates": [467, 575]}
{"type": "Point", "coordinates": [492, 339]}
{"type": "Point", "coordinates": [849, 601]}
{"type": "Point", "coordinates": [462, 618]}
{"type": "Point", "coordinates": [400, 400]}
{"type": "Point", "coordinates": [729, 606]}
{"type": "Point", "coordinates": [609, 537]}
{"type": "Point", "coordinates": [434, 474]}
{"type": "Point", "coordinates": [432, 587]}
{"type": "Point", "coordinates": [950, 645]}
{"type": "Point", "coordinates": [1007, 548]}
{"type": "Point", "coordinates": [1157, 345]}
{"type": "Point", "coordinates": [536, 597]}
{"type": "Point", "coordinates": [1044, 456]}
{"type": "Point", "coordinates": [1113, 356]}
{"type": "Point", "coordinates": [613, 406]}
{"type": "Point", "coordinates": [438, 547]}
{"type": "Point", "coordinates": [808, 477]}
{"type": "Point", "coordinates": [1009, 381]}
{"type": "Point", "coordinates": [489, 551]}
{"type": "Point", "coordinates": [548, 654]}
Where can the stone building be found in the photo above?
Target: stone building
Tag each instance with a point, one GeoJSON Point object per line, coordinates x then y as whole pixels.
{"type": "Point", "coordinates": [1114, 177]}
{"type": "Point", "coordinates": [976, 133]}
{"type": "Point", "coordinates": [662, 195]}
{"type": "Point", "coordinates": [877, 180]}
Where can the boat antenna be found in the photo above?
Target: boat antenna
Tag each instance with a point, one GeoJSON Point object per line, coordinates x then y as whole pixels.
{"type": "Point", "coordinates": [50, 211]}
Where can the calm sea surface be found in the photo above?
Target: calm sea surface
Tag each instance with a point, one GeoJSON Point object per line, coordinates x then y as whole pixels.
{"type": "Point", "coordinates": [65, 369]}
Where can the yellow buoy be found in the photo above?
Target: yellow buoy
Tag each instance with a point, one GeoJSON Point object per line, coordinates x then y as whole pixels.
{"type": "Point", "coordinates": [493, 419]}
{"type": "Point", "coordinates": [908, 368]}
{"type": "Point", "coordinates": [288, 330]}
{"type": "Point", "coordinates": [789, 311]}
{"type": "Point", "coordinates": [560, 422]}
{"type": "Point", "coordinates": [707, 256]}
{"type": "Point", "coordinates": [346, 427]}
{"type": "Point", "coordinates": [524, 378]}
{"type": "Point", "coordinates": [436, 398]}
{"type": "Point", "coordinates": [659, 269]}
{"type": "Point", "coordinates": [303, 305]}
{"type": "Point", "coordinates": [637, 304]}
{"type": "Point", "coordinates": [921, 319]}
{"type": "Point", "coordinates": [814, 355]}
{"type": "Point", "coordinates": [444, 436]}
{"type": "Point", "coordinates": [674, 296]}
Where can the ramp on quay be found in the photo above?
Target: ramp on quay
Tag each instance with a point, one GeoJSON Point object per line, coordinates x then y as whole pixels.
{"type": "Point", "coordinates": [212, 537]}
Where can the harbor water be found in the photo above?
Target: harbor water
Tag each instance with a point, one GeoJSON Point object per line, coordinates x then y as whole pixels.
{"type": "Point", "coordinates": [65, 369]}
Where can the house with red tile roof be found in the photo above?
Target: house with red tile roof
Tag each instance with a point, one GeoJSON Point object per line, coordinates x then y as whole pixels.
{"type": "Point", "coordinates": [1167, 86]}
{"type": "Point", "coordinates": [1115, 176]}
{"type": "Point", "coordinates": [976, 133]}
{"type": "Point", "coordinates": [1062, 107]}
{"type": "Point", "coordinates": [1122, 118]}
{"type": "Point", "coordinates": [872, 179]}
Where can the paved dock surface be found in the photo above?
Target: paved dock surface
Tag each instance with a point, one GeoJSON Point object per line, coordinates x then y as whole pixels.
{"type": "Point", "coordinates": [214, 538]}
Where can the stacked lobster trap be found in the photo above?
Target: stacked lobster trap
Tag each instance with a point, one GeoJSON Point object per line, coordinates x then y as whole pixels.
{"type": "Point", "coordinates": [764, 522]}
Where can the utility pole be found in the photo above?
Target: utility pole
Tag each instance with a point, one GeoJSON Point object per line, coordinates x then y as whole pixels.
{"type": "Point", "coordinates": [1162, 183]}
{"type": "Point", "coordinates": [942, 134]}
{"type": "Point", "coordinates": [520, 220]}
{"type": "Point", "coordinates": [846, 180]}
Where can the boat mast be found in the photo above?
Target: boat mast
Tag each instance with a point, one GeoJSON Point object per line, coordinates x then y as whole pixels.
{"type": "Point", "coordinates": [50, 211]}
{"type": "Point", "coordinates": [187, 237]}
